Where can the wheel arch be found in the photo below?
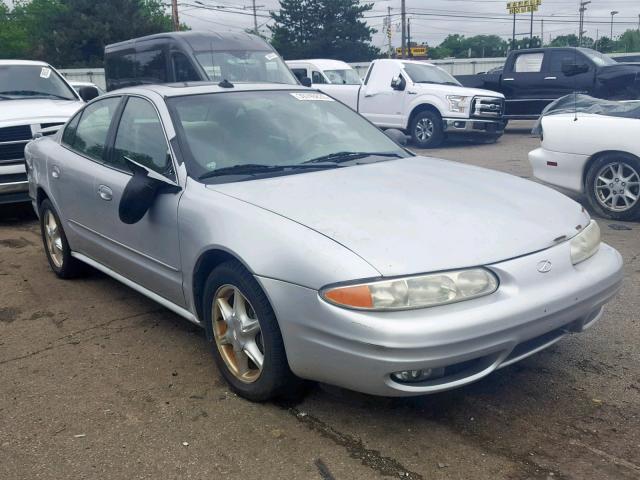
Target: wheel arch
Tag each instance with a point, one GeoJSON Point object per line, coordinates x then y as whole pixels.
{"type": "Point", "coordinates": [424, 106]}
{"type": "Point", "coordinates": [597, 156]}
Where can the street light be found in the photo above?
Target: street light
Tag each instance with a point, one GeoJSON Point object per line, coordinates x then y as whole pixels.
{"type": "Point", "coordinates": [612, 14]}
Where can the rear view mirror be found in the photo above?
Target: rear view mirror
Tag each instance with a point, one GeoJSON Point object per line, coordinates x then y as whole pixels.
{"type": "Point", "coordinates": [306, 82]}
{"type": "Point", "coordinates": [398, 83]}
{"type": "Point", "coordinates": [397, 136]}
{"type": "Point", "coordinates": [140, 192]}
{"type": "Point", "coordinates": [571, 69]}
{"type": "Point", "coordinates": [88, 93]}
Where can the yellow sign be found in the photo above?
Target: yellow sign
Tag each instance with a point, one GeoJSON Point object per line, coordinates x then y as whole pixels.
{"type": "Point", "coordinates": [523, 6]}
{"type": "Point", "coordinates": [415, 51]}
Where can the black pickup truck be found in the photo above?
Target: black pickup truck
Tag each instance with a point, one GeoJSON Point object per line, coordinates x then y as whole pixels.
{"type": "Point", "coordinates": [533, 78]}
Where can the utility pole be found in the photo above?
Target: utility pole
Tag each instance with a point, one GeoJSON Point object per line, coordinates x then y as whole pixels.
{"type": "Point", "coordinates": [581, 30]}
{"type": "Point", "coordinates": [531, 31]}
{"type": "Point", "coordinates": [513, 38]}
{"type": "Point", "coordinates": [403, 14]}
{"type": "Point", "coordinates": [408, 37]}
{"type": "Point", "coordinates": [255, 18]}
{"type": "Point", "coordinates": [388, 32]}
{"type": "Point", "coordinates": [174, 15]}
{"type": "Point", "coordinates": [542, 32]}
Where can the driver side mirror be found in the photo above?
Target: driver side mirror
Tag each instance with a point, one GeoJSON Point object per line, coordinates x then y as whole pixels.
{"type": "Point", "coordinates": [140, 192]}
{"type": "Point", "coordinates": [306, 82]}
{"type": "Point", "coordinates": [571, 69]}
{"type": "Point", "coordinates": [88, 93]}
{"type": "Point", "coordinates": [398, 83]}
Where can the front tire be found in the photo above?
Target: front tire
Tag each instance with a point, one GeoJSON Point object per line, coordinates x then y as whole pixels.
{"type": "Point", "coordinates": [427, 130]}
{"type": "Point", "coordinates": [613, 186]}
{"type": "Point", "coordinates": [55, 243]}
{"type": "Point", "coordinates": [247, 345]}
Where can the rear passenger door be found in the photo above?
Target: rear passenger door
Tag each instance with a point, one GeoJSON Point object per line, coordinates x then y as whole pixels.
{"type": "Point", "coordinates": [523, 84]}
{"type": "Point", "coordinates": [146, 252]}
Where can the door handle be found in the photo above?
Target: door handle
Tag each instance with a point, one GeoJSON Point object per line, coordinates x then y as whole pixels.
{"type": "Point", "coordinates": [550, 78]}
{"type": "Point", "coordinates": [105, 193]}
{"type": "Point", "coordinates": [55, 171]}
{"type": "Point", "coordinates": [507, 79]}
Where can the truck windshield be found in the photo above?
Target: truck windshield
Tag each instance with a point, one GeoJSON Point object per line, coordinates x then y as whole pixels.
{"type": "Point", "coordinates": [423, 73]}
{"type": "Point", "coordinates": [248, 66]}
{"type": "Point", "coordinates": [598, 58]}
{"type": "Point", "coordinates": [343, 77]}
{"type": "Point", "coordinates": [32, 81]}
{"type": "Point", "coordinates": [288, 129]}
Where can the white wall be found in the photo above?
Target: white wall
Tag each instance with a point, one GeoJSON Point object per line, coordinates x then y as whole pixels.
{"type": "Point", "coordinates": [94, 75]}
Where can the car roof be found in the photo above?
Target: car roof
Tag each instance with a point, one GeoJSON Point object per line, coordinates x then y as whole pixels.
{"type": "Point", "coordinates": [199, 41]}
{"type": "Point", "coordinates": [195, 88]}
{"type": "Point", "coordinates": [24, 62]}
{"type": "Point", "coordinates": [401, 60]}
{"type": "Point", "coordinates": [323, 63]}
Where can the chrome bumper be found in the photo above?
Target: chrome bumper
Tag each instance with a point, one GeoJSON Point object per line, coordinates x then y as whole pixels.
{"type": "Point", "coordinates": [473, 126]}
{"type": "Point", "coordinates": [14, 187]}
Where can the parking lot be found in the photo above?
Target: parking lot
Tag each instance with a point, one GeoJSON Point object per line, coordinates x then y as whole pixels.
{"type": "Point", "coordinates": [100, 382]}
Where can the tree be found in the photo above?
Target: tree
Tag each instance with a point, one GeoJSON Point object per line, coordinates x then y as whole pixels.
{"type": "Point", "coordinates": [323, 28]}
{"type": "Point", "coordinates": [70, 33]}
{"type": "Point", "coordinates": [570, 40]}
{"type": "Point", "coordinates": [13, 37]}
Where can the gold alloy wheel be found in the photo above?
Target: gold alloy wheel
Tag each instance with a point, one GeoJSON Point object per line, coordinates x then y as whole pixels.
{"type": "Point", "coordinates": [53, 238]}
{"type": "Point", "coordinates": [237, 333]}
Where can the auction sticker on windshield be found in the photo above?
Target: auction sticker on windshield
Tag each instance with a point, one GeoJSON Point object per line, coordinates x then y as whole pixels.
{"type": "Point", "coordinates": [318, 97]}
{"type": "Point", "coordinates": [45, 72]}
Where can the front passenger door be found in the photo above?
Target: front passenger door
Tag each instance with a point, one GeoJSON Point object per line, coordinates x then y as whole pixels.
{"type": "Point", "coordinates": [146, 252]}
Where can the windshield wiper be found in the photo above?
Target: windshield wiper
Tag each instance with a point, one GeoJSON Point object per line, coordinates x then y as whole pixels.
{"type": "Point", "coordinates": [340, 157]}
{"type": "Point", "coordinates": [256, 168]}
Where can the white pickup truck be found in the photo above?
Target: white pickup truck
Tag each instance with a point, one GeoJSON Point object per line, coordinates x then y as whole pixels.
{"type": "Point", "coordinates": [422, 100]}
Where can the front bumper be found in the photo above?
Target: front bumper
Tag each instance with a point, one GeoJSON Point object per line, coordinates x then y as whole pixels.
{"type": "Point", "coordinates": [530, 311]}
{"type": "Point", "coordinates": [14, 185]}
{"type": "Point", "coordinates": [565, 170]}
{"type": "Point", "coordinates": [471, 126]}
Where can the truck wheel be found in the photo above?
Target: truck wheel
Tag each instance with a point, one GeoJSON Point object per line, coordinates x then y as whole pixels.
{"type": "Point", "coordinates": [613, 186]}
{"type": "Point", "coordinates": [426, 129]}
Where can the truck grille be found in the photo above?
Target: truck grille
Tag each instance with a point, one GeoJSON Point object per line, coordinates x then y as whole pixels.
{"type": "Point", "coordinates": [487, 107]}
{"type": "Point", "coordinates": [12, 143]}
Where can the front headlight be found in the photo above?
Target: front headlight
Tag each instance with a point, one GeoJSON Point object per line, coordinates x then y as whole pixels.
{"type": "Point", "coordinates": [457, 103]}
{"type": "Point", "coordinates": [586, 243]}
{"type": "Point", "coordinates": [414, 292]}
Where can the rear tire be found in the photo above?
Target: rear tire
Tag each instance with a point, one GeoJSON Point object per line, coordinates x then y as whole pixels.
{"type": "Point", "coordinates": [230, 285]}
{"type": "Point", "coordinates": [613, 186]}
{"type": "Point", "coordinates": [426, 129]}
{"type": "Point", "coordinates": [56, 245]}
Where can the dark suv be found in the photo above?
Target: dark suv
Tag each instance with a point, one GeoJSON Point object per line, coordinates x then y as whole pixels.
{"type": "Point", "coordinates": [194, 56]}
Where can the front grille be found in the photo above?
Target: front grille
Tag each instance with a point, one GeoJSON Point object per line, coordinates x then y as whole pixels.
{"type": "Point", "coordinates": [12, 134]}
{"type": "Point", "coordinates": [487, 107]}
{"type": "Point", "coordinates": [13, 177]}
{"type": "Point", "coordinates": [12, 152]}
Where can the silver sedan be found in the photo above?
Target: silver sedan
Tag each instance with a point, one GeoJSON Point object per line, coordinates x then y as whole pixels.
{"type": "Point", "coordinates": [310, 245]}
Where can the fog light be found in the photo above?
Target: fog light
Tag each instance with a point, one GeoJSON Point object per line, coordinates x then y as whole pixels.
{"type": "Point", "coordinates": [415, 376]}
{"type": "Point", "coordinates": [459, 124]}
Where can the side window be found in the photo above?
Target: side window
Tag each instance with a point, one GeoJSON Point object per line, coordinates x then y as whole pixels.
{"type": "Point", "coordinates": [300, 73]}
{"type": "Point", "coordinates": [152, 66]}
{"type": "Point", "coordinates": [91, 133]}
{"type": "Point", "coordinates": [69, 133]}
{"type": "Point", "coordinates": [121, 69]}
{"type": "Point", "coordinates": [316, 77]}
{"type": "Point", "coordinates": [140, 137]}
{"type": "Point", "coordinates": [528, 63]}
{"type": "Point", "coordinates": [560, 59]}
{"type": "Point", "coordinates": [184, 71]}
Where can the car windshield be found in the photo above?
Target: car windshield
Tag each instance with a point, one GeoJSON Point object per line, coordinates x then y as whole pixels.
{"type": "Point", "coordinates": [423, 73]}
{"type": "Point", "coordinates": [249, 66]}
{"type": "Point", "coordinates": [343, 77]}
{"type": "Point", "coordinates": [233, 130]}
{"type": "Point", "coordinates": [598, 58]}
{"type": "Point", "coordinates": [32, 81]}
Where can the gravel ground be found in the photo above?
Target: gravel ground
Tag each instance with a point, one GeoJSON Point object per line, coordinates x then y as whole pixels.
{"type": "Point", "coordinates": [99, 382]}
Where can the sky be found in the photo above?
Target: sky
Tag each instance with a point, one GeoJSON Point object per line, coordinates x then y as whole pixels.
{"type": "Point", "coordinates": [432, 20]}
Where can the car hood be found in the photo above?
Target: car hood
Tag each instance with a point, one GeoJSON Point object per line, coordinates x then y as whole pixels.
{"type": "Point", "coordinates": [36, 110]}
{"type": "Point", "coordinates": [457, 90]}
{"type": "Point", "coordinates": [420, 214]}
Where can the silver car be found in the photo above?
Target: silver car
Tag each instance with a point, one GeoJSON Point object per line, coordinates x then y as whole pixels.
{"type": "Point", "coordinates": [309, 245]}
